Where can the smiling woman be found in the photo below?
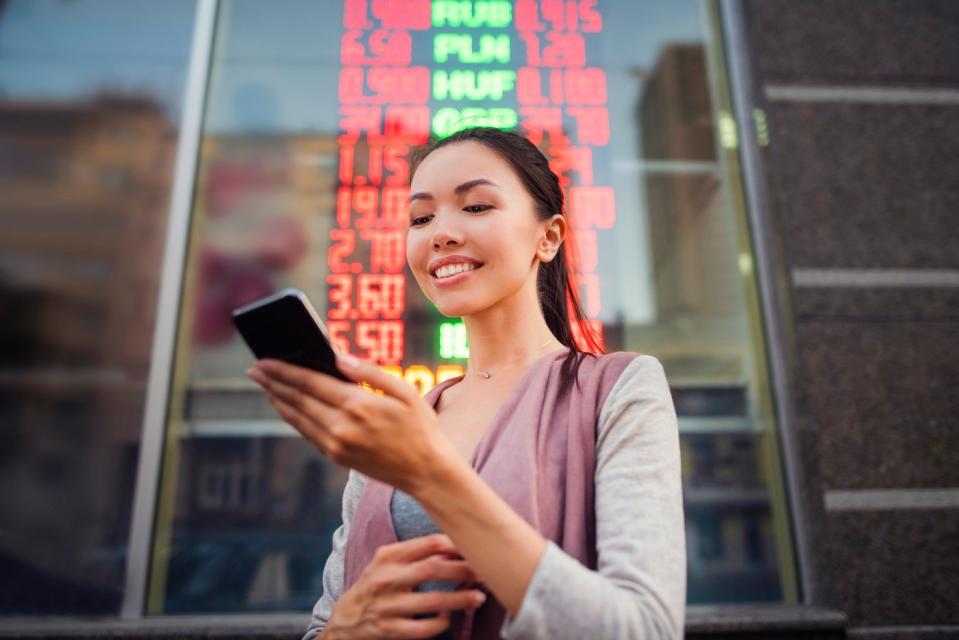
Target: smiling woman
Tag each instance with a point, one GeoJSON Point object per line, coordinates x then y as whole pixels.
{"type": "Point", "coordinates": [538, 495]}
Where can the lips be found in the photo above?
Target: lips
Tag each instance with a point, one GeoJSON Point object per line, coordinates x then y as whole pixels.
{"type": "Point", "coordinates": [447, 261]}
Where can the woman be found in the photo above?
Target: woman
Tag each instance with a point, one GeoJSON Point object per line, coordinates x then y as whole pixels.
{"type": "Point", "coordinates": [538, 495]}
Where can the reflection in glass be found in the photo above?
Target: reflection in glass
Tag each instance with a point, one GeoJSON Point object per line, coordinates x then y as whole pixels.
{"type": "Point", "coordinates": [89, 102]}
{"type": "Point", "coordinates": [312, 113]}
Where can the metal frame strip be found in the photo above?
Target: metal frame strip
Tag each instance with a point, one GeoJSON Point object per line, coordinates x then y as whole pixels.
{"type": "Point", "coordinates": [164, 336]}
{"type": "Point", "coordinates": [740, 84]}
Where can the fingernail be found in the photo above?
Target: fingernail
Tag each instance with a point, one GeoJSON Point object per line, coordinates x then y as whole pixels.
{"type": "Point", "coordinates": [480, 598]}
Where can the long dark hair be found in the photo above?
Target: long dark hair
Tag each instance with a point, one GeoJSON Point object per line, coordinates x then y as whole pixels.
{"type": "Point", "coordinates": [555, 281]}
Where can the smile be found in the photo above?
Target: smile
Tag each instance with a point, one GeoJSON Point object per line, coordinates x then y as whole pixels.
{"type": "Point", "coordinates": [450, 273]}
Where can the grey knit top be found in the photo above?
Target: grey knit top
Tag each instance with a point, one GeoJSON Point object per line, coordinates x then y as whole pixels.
{"type": "Point", "coordinates": [639, 587]}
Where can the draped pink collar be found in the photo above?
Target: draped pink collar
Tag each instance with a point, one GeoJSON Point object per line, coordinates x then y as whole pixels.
{"type": "Point", "coordinates": [537, 453]}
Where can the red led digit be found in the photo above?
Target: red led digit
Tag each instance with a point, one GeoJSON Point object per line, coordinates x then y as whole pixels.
{"type": "Point", "coordinates": [527, 16]}
{"type": "Point", "coordinates": [564, 50]}
{"type": "Point", "coordinates": [553, 12]}
{"type": "Point", "coordinates": [565, 159]}
{"type": "Point", "coordinates": [374, 164]}
{"type": "Point", "coordinates": [591, 19]}
{"type": "Point", "coordinates": [354, 15]}
{"type": "Point", "coordinates": [540, 121]}
{"type": "Point", "coordinates": [531, 40]}
{"type": "Point", "coordinates": [529, 87]}
{"type": "Point", "coordinates": [572, 16]}
{"type": "Point", "coordinates": [341, 292]}
{"type": "Point", "coordinates": [351, 85]}
{"type": "Point", "coordinates": [387, 250]}
{"type": "Point", "coordinates": [409, 125]}
{"type": "Point", "coordinates": [395, 207]}
{"type": "Point", "coordinates": [365, 201]}
{"type": "Point", "coordinates": [592, 124]}
{"type": "Point", "coordinates": [380, 296]}
{"type": "Point", "coordinates": [411, 86]}
{"type": "Point", "coordinates": [390, 47]}
{"type": "Point", "coordinates": [382, 340]}
{"type": "Point", "coordinates": [352, 51]}
{"type": "Point", "coordinates": [344, 243]}
{"type": "Point", "coordinates": [397, 164]}
{"type": "Point", "coordinates": [403, 14]}
{"type": "Point", "coordinates": [347, 156]}
{"type": "Point", "coordinates": [343, 206]}
{"type": "Point", "coordinates": [338, 331]}
{"type": "Point", "coordinates": [355, 120]}
{"type": "Point", "coordinates": [586, 86]}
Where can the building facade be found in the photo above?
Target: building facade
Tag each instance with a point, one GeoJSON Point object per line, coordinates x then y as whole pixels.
{"type": "Point", "coordinates": [759, 194]}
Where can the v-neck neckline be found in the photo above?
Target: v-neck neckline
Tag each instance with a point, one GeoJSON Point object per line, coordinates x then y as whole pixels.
{"type": "Point", "coordinates": [518, 387]}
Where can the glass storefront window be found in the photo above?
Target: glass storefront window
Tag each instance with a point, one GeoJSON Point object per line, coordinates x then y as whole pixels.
{"type": "Point", "coordinates": [90, 100]}
{"type": "Point", "coordinates": [312, 112]}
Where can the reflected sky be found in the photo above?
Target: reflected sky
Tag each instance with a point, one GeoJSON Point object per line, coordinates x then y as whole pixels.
{"type": "Point", "coordinates": [73, 49]}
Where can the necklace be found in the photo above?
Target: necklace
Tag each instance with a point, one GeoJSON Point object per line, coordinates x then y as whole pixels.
{"type": "Point", "coordinates": [488, 373]}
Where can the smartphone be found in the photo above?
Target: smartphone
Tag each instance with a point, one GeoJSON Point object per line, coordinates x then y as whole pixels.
{"type": "Point", "coordinates": [284, 326]}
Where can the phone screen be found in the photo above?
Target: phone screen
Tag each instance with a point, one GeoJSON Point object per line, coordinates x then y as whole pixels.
{"type": "Point", "coordinates": [285, 327]}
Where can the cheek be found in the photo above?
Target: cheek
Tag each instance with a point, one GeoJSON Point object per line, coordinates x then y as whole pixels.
{"type": "Point", "coordinates": [413, 251]}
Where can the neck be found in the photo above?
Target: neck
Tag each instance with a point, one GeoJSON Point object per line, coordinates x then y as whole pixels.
{"type": "Point", "coordinates": [513, 333]}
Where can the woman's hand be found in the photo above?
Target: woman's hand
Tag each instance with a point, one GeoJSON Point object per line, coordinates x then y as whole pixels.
{"type": "Point", "coordinates": [393, 437]}
{"type": "Point", "coordinates": [382, 603]}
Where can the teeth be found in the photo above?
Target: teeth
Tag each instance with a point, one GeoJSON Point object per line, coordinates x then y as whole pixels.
{"type": "Point", "coordinates": [448, 270]}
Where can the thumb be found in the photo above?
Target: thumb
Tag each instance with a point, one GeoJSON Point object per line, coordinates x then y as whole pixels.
{"type": "Point", "coordinates": [361, 371]}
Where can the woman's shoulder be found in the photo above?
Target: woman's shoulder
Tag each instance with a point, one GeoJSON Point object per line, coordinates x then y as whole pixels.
{"type": "Point", "coordinates": [626, 363]}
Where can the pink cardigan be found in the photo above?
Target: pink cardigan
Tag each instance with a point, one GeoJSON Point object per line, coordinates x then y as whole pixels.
{"type": "Point", "coordinates": [538, 454]}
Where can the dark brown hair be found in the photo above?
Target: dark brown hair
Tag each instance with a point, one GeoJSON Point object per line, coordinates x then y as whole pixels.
{"type": "Point", "coordinates": [555, 281]}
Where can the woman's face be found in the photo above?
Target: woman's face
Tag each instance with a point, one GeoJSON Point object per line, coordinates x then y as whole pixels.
{"type": "Point", "coordinates": [469, 210]}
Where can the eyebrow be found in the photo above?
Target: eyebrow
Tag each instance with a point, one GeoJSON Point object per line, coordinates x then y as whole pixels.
{"type": "Point", "coordinates": [459, 190]}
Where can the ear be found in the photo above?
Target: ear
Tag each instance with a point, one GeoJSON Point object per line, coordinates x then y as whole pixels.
{"type": "Point", "coordinates": [554, 231]}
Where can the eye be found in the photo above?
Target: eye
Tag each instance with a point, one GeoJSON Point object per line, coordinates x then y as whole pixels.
{"type": "Point", "coordinates": [477, 208]}
{"type": "Point", "coordinates": [415, 222]}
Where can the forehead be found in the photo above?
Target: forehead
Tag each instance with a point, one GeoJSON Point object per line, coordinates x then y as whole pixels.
{"type": "Point", "coordinates": [456, 163]}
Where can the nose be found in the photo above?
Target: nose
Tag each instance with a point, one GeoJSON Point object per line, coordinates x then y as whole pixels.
{"type": "Point", "coordinates": [444, 233]}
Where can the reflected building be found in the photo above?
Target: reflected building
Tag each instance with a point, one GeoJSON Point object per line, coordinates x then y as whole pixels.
{"type": "Point", "coordinates": [699, 336]}
{"type": "Point", "coordinates": [85, 195]}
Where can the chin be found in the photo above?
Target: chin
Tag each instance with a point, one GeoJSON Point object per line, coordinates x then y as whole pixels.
{"type": "Point", "coordinates": [457, 305]}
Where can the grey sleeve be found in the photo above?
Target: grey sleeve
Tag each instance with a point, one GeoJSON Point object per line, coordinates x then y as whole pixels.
{"type": "Point", "coordinates": [333, 570]}
{"type": "Point", "coordinates": [639, 590]}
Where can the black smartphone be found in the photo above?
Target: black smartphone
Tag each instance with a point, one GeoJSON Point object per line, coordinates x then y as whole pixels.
{"type": "Point", "coordinates": [284, 326]}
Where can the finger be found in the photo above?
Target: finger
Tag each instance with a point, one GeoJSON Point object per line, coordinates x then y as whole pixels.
{"type": "Point", "coordinates": [299, 421]}
{"type": "Point", "coordinates": [320, 412]}
{"type": "Point", "coordinates": [435, 568]}
{"type": "Point", "coordinates": [419, 547]}
{"type": "Point", "coordinates": [319, 385]}
{"type": "Point", "coordinates": [408, 628]}
{"type": "Point", "coordinates": [360, 371]}
{"type": "Point", "coordinates": [413, 602]}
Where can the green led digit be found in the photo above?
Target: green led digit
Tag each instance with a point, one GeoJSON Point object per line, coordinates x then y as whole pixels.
{"type": "Point", "coordinates": [453, 343]}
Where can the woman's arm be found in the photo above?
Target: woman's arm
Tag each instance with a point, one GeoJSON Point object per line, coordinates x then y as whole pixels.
{"type": "Point", "coordinates": [639, 590]}
{"type": "Point", "coordinates": [333, 570]}
{"type": "Point", "coordinates": [498, 543]}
